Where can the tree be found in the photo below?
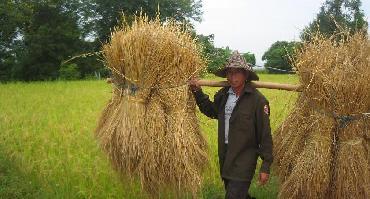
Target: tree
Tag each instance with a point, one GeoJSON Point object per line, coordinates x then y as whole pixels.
{"type": "Point", "coordinates": [51, 35]}
{"type": "Point", "coordinates": [12, 18]}
{"type": "Point", "coordinates": [36, 37]}
{"type": "Point", "coordinates": [279, 56]}
{"type": "Point", "coordinates": [216, 57]}
{"type": "Point", "coordinates": [108, 13]}
{"type": "Point", "coordinates": [219, 59]}
{"type": "Point", "coordinates": [69, 72]}
{"type": "Point", "coordinates": [335, 15]}
{"type": "Point", "coordinates": [249, 57]}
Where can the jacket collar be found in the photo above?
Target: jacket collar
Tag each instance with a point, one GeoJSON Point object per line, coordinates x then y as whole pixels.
{"type": "Point", "coordinates": [248, 88]}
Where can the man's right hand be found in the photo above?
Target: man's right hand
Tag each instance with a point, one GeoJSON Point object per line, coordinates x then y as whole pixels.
{"type": "Point", "coordinates": [194, 85]}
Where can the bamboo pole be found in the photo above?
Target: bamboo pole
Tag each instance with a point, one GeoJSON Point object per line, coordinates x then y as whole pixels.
{"type": "Point", "coordinates": [256, 84]}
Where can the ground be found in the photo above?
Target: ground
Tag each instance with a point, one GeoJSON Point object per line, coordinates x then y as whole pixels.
{"type": "Point", "coordinates": [48, 149]}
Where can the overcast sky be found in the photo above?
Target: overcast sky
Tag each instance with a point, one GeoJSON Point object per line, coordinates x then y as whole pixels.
{"type": "Point", "coordinates": [253, 25]}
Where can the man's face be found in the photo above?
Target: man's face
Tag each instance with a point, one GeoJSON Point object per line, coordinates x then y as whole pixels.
{"type": "Point", "coordinates": [236, 77]}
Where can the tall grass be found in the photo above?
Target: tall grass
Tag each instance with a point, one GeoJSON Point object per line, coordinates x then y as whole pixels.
{"type": "Point", "coordinates": [48, 150]}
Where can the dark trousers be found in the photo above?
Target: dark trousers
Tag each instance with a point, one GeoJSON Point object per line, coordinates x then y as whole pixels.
{"type": "Point", "coordinates": [236, 189]}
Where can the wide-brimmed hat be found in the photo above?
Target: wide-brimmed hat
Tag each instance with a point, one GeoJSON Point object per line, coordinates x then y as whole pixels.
{"type": "Point", "coordinates": [237, 61]}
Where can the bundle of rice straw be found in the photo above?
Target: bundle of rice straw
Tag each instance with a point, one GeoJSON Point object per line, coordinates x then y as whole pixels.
{"type": "Point", "coordinates": [149, 128]}
{"type": "Point", "coordinates": [322, 148]}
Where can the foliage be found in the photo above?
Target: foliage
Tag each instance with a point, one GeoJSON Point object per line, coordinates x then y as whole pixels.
{"type": "Point", "coordinates": [335, 15]}
{"type": "Point", "coordinates": [250, 58]}
{"type": "Point", "coordinates": [69, 72]}
{"type": "Point", "coordinates": [108, 13]}
{"type": "Point", "coordinates": [36, 37]}
{"type": "Point", "coordinates": [51, 35]}
{"type": "Point", "coordinates": [217, 57]}
{"type": "Point", "coordinates": [12, 17]}
{"type": "Point", "coordinates": [279, 56]}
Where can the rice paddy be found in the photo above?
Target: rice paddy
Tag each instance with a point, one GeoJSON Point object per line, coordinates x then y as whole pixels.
{"type": "Point", "coordinates": [48, 148]}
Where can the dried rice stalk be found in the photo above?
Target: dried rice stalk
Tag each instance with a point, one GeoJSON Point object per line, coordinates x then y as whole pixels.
{"type": "Point", "coordinates": [312, 168]}
{"type": "Point", "coordinates": [352, 165]}
{"type": "Point", "coordinates": [149, 129]}
{"type": "Point", "coordinates": [335, 76]}
{"type": "Point", "coordinates": [288, 144]}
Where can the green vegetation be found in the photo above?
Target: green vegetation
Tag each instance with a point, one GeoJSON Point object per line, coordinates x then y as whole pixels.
{"type": "Point", "coordinates": [336, 16]}
{"type": "Point", "coordinates": [279, 56]}
{"type": "Point", "coordinates": [48, 149]}
{"type": "Point", "coordinates": [69, 72]}
{"type": "Point", "coordinates": [217, 57]}
{"type": "Point", "coordinates": [37, 37]}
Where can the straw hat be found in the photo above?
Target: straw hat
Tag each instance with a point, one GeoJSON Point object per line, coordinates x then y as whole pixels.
{"type": "Point", "coordinates": [237, 61]}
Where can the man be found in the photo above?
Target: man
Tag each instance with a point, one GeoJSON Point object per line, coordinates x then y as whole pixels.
{"type": "Point", "coordinates": [243, 127]}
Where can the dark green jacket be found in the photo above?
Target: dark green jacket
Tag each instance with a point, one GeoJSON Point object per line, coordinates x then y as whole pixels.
{"type": "Point", "coordinates": [249, 132]}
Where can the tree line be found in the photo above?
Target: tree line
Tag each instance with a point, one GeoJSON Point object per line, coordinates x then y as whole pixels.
{"type": "Point", "coordinates": [37, 37]}
{"type": "Point", "coordinates": [334, 17]}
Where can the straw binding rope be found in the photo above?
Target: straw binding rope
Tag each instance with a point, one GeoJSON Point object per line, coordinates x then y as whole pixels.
{"type": "Point", "coordinates": [342, 120]}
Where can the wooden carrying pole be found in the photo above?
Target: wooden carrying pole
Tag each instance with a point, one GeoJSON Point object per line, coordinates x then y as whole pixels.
{"type": "Point", "coordinates": [256, 84]}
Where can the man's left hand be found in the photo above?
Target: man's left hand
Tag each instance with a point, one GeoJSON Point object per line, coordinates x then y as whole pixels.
{"type": "Point", "coordinates": [263, 178]}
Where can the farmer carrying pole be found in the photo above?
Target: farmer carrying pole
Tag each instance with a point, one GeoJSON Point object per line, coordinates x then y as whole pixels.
{"type": "Point", "coordinates": [244, 131]}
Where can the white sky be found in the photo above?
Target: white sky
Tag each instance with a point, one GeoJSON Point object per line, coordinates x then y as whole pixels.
{"type": "Point", "coordinates": [253, 25]}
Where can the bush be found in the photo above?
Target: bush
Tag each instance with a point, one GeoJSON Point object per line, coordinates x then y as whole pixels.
{"type": "Point", "coordinates": [69, 72]}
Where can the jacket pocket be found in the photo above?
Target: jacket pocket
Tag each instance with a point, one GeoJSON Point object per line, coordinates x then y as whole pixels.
{"type": "Point", "coordinates": [246, 129]}
{"type": "Point", "coordinates": [245, 115]}
{"type": "Point", "coordinates": [245, 121]}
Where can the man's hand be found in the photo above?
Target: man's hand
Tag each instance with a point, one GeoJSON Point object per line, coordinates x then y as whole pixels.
{"type": "Point", "coordinates": [263, 178]}
{"type": "Point", "coordinates": [193, 83]}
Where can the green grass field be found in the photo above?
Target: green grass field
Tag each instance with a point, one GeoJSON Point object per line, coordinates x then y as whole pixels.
{"type": "Point", "coordinates": [48, 149]}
